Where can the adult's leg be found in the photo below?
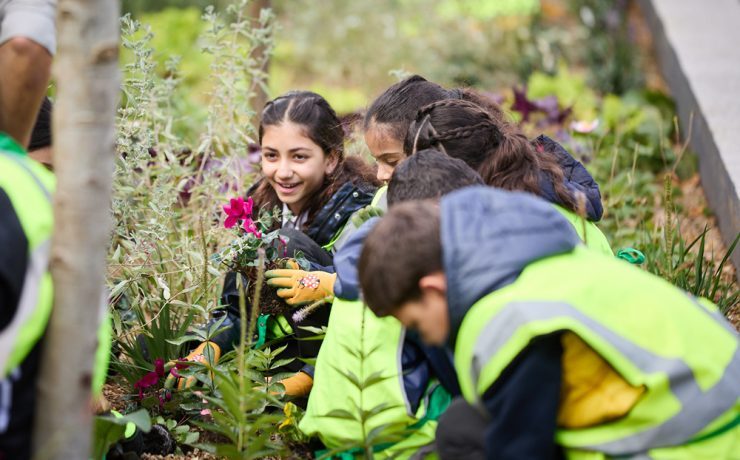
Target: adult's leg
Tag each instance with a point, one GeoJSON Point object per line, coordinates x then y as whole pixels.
{"type": "Point", "coordinates": [461, 432]}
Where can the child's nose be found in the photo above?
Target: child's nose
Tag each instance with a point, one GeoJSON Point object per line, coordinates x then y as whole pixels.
{"type": "Point", "coordinates": [384, 173]}
{"type": "Point", "coordinates": [284, 170]}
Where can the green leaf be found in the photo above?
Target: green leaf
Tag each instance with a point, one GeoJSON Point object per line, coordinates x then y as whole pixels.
{"type": "Point", "coordinates": [374, 378]}
{"type": "Point", "coordinates": [386, 431]}
{"type": "Point", "coordinates": [109, 429]}
{"type": "Point", "coordinates": [351, 376]}
{"type": "Point", "coordinates": [281, 363]}
{"type": "Point", "coordinates": [185, 338]}
{"type": "Point", "coordinates": [191, 437]}
{"type": "Point", "coordinates": [341, 414]}
{"type": "Point", "coordinates": [379, 409]}
{"type": "Point", "coordinates": [118, 289]}
{"type": "Point", "coordinates": [314, 330]}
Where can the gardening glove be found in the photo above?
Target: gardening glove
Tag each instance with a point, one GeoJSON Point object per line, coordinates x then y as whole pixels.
{"type": "Point", "coordinates": [298, 385]}
{"type": "Point", "coordinates": [196, 355]}
{"type": "Point", "coordinates": [299, 287]}
{"type": "Point", "coordinates": [365, 214]}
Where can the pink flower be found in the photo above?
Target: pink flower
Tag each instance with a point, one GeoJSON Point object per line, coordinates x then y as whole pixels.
{"type": "Point", "coordinates": [249, 206]}
{"type": "Point", "coordinates": [178, 365]}
{"type": "Point", "coordinates": [237, 210]}
{"type": "Point", "coordinates": [251, 227]}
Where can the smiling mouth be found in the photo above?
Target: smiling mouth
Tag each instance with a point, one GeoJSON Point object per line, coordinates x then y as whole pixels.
{"type": "Point", "coordinates": [289, 186]}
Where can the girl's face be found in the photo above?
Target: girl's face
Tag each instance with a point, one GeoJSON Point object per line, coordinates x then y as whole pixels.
{"type": "Point", "coordinates": [293, 164]}
{"type": "Point", "coordinates": [386, 150]}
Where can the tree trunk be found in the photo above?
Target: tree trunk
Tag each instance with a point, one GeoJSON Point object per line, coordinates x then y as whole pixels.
{"type": "Point", "coordinates": [259, 54]}
{"type": "Point", "coordinates": [87, 76]}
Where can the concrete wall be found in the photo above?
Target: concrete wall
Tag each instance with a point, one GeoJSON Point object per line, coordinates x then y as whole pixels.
{"type": "Point", "coordinates": [698, 48]}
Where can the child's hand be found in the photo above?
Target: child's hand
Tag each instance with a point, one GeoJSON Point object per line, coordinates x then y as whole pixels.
{"type": "Point", "coordinates": [299, 287]}
{"type": "Point", "coordinates": [365, 214]}
{"type": "Point", "coordinates": [202, 355]}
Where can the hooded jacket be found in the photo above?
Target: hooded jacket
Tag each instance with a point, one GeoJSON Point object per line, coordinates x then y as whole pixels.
{"type": "Point", "coordinates": [489, 236]}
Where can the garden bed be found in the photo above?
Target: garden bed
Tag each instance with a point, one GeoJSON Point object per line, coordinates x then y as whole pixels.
{"type": "Point", "coordinates": [163, 262]}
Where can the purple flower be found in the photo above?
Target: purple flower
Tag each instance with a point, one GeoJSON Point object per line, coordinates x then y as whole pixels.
{"type": "Point", "coordinates": [254, 152]}
{"type": "Point", "coordinates": [522, 104]}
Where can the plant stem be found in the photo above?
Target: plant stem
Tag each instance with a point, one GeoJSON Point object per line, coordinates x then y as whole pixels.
{"type": "Point", "coordinates": [204, 248]}
{"type": "Point", "coordinates": [257, 291]}
{"type": "Point", "coordinates": [367, 447]}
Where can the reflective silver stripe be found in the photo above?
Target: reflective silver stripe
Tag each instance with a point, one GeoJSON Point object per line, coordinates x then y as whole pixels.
{"type": "Point", "coordinates": [6, 398]}
{"type": "Point", "coordinates": [698, 408]}
{"type": "Point", "coordinates": [37, 267]}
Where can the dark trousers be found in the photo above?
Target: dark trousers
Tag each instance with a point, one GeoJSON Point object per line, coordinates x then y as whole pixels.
{"type": "Point", "coordinates": [461, 432]}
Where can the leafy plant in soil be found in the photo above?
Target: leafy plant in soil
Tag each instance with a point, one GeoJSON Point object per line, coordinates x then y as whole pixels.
{"type": "Point", "coordinates": [242, 254]}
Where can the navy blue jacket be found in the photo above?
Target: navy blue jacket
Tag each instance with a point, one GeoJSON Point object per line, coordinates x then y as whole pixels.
{"type": "Point", "coordinates": [577, 178]}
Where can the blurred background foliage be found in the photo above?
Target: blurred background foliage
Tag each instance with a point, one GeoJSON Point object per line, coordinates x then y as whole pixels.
{"type": "Point", "coordinates": [346, 50]}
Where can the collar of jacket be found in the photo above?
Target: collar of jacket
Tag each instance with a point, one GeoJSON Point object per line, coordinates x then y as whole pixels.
{"type": "Point", "coordinates": [334, 214]}
{"type": "Point", "coordinates": [488, 237]}
{"type": "Point", "coordinates": [576, 178]}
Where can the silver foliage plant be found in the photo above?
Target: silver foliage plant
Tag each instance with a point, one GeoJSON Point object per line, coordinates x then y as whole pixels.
{"type": "Point", "coordinates": [174, 168]}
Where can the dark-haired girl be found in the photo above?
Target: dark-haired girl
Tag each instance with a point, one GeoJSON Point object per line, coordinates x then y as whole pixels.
{"type": "Point", "coordinates": [306, 174]}
{"type": "Point", "coordinates": [388, 118]}
{"type": "Point", "coordinates": [505, 158]}
{"type": "Point", "coordinates": [305, 170]}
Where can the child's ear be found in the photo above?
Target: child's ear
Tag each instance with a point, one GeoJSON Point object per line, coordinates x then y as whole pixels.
{"type": "Point", "coordinates": [434, 282]}
{"type": "Point", "coordinates": [332, 165]}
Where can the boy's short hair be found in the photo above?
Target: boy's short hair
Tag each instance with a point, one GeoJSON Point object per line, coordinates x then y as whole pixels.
{"type": "Point", "coordinates": [429, 174]}
{"type": "Point", "coordinates": [402, 248]}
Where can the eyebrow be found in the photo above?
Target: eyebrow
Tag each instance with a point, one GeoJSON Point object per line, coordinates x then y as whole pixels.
{"type": "Point", "coordinates": [293, 150]}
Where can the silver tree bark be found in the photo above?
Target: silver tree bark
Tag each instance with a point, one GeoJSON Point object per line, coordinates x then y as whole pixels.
{"type": "Point", "coordinates": [87, 76]}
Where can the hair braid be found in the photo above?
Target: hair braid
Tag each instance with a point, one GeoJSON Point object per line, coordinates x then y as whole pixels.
{"type": "Point", "coordinates": [466, 131]}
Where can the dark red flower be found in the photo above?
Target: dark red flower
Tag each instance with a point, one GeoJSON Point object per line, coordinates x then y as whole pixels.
{"type": "Point", "coordinates": [159, 367]}
{"type": "Point", "coordinates": [150, 379]}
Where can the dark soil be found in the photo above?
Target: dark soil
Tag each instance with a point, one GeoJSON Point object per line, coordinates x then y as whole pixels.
{"type": "Point", "coordinates": [117, 396]}
{"type": "Point", "coordinates": [269, 301]}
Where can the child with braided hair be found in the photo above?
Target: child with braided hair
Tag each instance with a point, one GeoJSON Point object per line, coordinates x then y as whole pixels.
{"type": "Point", "coordinates": [388, 117]}
{"type": "Point", "coordinates": [506, 159]}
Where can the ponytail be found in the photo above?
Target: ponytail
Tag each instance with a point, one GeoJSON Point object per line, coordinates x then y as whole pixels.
{"type": "Point", "coordinates": [512, 164]}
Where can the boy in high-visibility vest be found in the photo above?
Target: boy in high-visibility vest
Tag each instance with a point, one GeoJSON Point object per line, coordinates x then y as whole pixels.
{"type": "Point", "coordinates": [560, 351]}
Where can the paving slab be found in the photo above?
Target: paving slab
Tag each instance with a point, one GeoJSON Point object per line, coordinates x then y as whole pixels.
{"type": "Point", "coordinates": [698, 48]}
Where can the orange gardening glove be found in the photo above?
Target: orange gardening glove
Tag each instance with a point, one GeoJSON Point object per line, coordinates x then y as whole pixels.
{"type": "Point", "coordinates": [298, 385]}
{"type": "Point", "coordinates": [201, 355]}
{"type": "Point", "coordinates": [299, 287]}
